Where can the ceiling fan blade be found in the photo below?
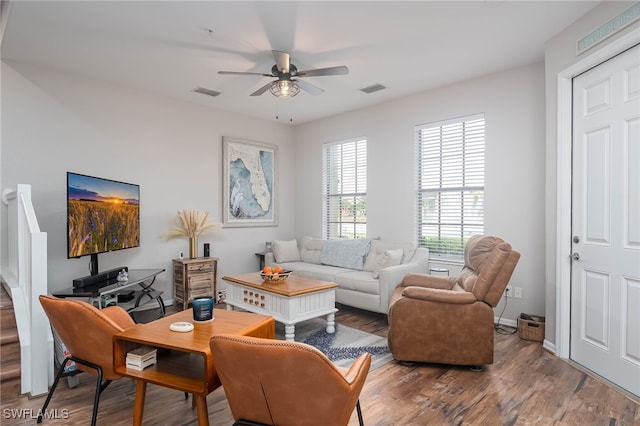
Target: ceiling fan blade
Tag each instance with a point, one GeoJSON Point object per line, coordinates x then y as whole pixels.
{"type": "Point", "coordinates": [243, 73]}
{"type": "Point", "coordinates": [341, 70]}
{"type": "Point", "coordinates": [261, 90]}
{"type": "Point", "coordinates": [308, 87]}
{"type": "Point", "coordinates": [282, 61]}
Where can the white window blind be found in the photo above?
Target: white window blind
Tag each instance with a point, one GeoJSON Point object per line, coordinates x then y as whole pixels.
{"type": "Point", "coordinates": [450, 184]}
{"type": "Point", "coordinates": [344, 189]}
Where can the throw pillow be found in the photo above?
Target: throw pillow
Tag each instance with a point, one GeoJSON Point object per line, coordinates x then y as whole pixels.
{"type": "Point", "coordinates": [389, 258]}
{"type": "Point", "coordinates": [378, 247]}
{"type": "Point", "coordinates": [311, 250]}
{"type": "Point", "coordinates": [286, 251]}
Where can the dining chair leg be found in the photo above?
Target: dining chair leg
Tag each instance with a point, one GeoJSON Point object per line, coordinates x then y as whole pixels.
{"type": "Point", "coordinates": [96, 398]}
{"type": "Point", "coordinates": [359, 413]}
{"type": "Point", "coordinates": [60, 373]}
{"type": "Point", "coordinates": [100, 386]}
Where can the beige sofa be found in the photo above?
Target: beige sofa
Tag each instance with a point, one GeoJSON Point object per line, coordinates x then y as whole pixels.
{"type": "Point", "coordinates": [366, 270]}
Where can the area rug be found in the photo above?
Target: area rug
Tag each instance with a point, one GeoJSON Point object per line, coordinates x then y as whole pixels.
{"type": "Point", "coordinates": [343, 346]}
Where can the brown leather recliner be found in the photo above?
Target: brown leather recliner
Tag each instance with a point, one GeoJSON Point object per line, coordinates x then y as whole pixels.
{"type": "Point", "coordinates": [450, 320]}
{"type": "Point", "coordinates": [88, 334]}
{"type": "Point", "coordinates": [273, 382]}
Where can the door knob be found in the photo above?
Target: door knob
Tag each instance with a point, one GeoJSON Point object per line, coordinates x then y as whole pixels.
{"type": "Point", "coordinates": [575, 256]}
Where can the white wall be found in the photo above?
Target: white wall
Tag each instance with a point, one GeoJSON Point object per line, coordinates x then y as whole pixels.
{"type": "Point", "coordinates": [172, 149]}
{"type": "Point", "coordinates": [53, 123]}
{"type": "Point", "coordinates": [560, 54]}
{"type": "Point", "coordinates": [513, 104]}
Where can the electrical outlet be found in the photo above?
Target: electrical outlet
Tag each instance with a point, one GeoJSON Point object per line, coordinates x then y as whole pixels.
{"type": "Point", "coordinates": [517, 292]}
{"type": "Point", "coordinates": [509, 291]}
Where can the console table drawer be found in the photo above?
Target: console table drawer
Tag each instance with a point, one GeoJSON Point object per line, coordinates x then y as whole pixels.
{"type": "Point", "coordinates": [200, 267]}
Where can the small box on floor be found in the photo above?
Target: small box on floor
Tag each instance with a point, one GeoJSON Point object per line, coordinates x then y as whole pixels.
{"type": "Point", "coordinates": [531, 327]}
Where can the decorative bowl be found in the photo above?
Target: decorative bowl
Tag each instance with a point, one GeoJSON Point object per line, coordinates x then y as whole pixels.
{"type": "Point", "coordinates": [275, 277]}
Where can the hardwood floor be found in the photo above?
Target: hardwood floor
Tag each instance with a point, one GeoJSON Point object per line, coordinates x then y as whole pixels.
{"type": "Point", "coordinates": [525, 386]}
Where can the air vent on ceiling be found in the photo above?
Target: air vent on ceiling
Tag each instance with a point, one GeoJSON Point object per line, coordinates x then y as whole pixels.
{"type": "Point", "coordinates": [206, 91]}
{"type": "Point", "coordinates": [373, 88]}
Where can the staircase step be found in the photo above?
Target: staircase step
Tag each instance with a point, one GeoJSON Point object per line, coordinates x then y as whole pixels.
{"type": "Point", "coordinates": [7, 318]}
{"type": "Point", "coordinates": [10, 370]}
{"type": "Point", "coordinates": [10, 349]}
{"type": "Point", "coordinates": [8, 336]}
{"type": "Point", "coordinates": [5, 299]}
{"type": "Point", "coordinates": [10, 352]}
{"type": "Point", "coordinates": [10, 389]}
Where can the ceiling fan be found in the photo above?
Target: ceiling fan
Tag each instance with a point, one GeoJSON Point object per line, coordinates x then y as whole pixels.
{"type": "Point", "coordinates": [287, 85]}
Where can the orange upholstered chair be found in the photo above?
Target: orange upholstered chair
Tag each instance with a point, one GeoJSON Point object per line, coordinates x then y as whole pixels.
{"type": "Point", "coordinates": [88, 334]}
{"type": "Point", "coordinates": [449, 320]}
{"type": "Point", "coordinates": [274, 382]}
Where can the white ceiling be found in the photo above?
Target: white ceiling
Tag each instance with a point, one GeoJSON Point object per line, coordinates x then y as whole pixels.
{"type": "Point", "coordinates": [172, 47]}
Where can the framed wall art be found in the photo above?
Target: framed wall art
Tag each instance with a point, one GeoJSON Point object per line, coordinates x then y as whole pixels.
{"type": "Point", "coordinates": [250, 174]}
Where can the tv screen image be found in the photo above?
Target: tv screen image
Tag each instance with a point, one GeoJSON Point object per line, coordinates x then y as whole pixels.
{"type": "Point", "coordinates": [102, 215]}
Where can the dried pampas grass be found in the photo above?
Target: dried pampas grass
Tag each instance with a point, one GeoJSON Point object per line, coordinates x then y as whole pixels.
{"type": "Point", "coordinates": [191, 224]}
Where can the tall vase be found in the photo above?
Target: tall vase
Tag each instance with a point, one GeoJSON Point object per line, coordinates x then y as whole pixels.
{"type": "Point", "coordinates": [193, 247]}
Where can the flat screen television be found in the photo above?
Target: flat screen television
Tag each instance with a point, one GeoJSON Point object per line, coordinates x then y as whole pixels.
{"type": "Point", "coordinates": [102, 215]}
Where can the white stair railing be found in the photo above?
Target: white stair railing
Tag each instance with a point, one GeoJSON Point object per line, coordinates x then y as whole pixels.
{"type": "Point", "coordinates": [26, 276]}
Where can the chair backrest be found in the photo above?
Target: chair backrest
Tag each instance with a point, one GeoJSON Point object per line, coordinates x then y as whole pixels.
{"type": "Point", "coordinates": [285, 383]}
{"type": "Point", "coordinates": [489, 263]}
{"type": "Point", "coordinates": [85, 330]}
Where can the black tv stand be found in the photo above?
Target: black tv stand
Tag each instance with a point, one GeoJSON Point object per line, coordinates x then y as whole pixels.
{"type": "Point", "coordinates": [106, 277]}
{"type": "Point", "coordinates": [106, 293]}
{"type": "Point", "coordinates": [93, 264]}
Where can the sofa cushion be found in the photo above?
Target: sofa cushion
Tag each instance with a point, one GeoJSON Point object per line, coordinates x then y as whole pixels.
{"type": "Point", "coordinates": [286, 251]}
{"type": "Point", "coordinates": [311, 250]}
{"type": "Point", "coordinates": [360, 281]}
{"type": "Point", "coordinates": [311, 270]}
{"type": "Point", "coordinates": [389, 258]}
{"type": "Point", "coordinates": [378, 247]}
{"type": "Point", "coordinates": [345, 253]}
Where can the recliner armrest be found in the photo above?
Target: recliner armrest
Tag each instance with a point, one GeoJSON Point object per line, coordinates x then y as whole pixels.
{"type": "Point", "coordinates": [428, 281]}
{"type": "Point", "coordinates": [439, 295]}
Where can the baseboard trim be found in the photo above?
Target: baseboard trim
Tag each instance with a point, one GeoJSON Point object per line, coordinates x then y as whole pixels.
{"type": "Point", "coordinates": [549, 346]}
{"type": "Point", "coordinates": [546, 344]}
{"type": "Point", "coordinates": [506, 321]}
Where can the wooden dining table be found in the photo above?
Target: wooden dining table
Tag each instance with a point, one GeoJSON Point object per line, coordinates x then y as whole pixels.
{"type": "Point", "coordinates": [184, 360]}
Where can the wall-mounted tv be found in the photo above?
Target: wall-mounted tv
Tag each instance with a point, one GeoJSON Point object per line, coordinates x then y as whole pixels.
{"type": "Point", "coordinates": [102, 215]}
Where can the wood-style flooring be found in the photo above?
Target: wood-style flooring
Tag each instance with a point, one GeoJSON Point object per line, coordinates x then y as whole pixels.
{"type": "Point", "coordinates": [525, 386]}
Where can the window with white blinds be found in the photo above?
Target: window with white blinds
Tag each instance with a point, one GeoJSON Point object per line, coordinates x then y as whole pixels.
{"type": "Point", "coordinates": [344, 189]}
{"type": "Point", "coordinates": [450, 185]}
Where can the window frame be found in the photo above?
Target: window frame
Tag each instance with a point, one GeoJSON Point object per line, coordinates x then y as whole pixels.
{"type": "Point", "coordinates": [450, 248]}
{"type": "Point", "coordinates": [358, 193]}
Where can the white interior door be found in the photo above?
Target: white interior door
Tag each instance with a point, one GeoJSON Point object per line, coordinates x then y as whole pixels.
{"type": "Point", "coordinates": [605, 273]}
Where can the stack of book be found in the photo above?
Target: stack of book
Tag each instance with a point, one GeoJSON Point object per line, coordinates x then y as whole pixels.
{"type": "Point", "coordinates": [141, 358]}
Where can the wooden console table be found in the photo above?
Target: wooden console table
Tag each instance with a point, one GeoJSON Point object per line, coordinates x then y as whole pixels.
{"type": "Point", "coordinates": [194, 278]}
{"type": "Point", "coordinates": [184, 360]}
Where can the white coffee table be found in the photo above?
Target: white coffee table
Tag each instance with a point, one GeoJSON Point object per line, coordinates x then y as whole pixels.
{"type": "Point", "coordinates": [292, 301]}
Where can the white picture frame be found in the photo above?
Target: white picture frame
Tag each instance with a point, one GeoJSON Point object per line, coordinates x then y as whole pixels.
{"type": "Point", "coordinates": [250, 176]}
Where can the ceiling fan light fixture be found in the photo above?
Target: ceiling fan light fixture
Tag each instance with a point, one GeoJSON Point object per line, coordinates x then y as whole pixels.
{"type": "Point", "coordinates": [284, 88]}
